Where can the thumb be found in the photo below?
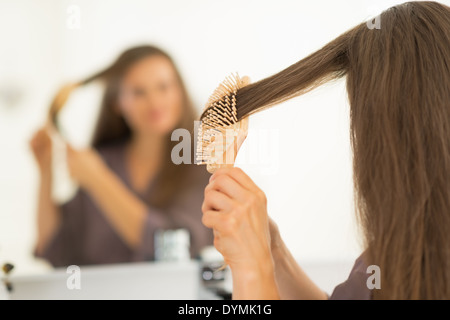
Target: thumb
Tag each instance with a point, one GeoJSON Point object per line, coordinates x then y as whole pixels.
{"type": "Point", "coordinates": [245, 81]}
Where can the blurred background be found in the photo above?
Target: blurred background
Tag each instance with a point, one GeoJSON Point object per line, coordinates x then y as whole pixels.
{"type": "Point", "coordinates": [302, 147]}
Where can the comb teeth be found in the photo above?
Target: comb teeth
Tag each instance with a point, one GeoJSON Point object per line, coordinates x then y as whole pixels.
{"type": "Point", "coordinates": [220, 114]}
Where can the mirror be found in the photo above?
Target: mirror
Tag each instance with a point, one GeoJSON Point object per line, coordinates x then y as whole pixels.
{"type": "Point", "coordinates": [49, 44]}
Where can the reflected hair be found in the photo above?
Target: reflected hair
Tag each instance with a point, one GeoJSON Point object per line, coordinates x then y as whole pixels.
{"type": "Point", "coordinates": [398, 84]}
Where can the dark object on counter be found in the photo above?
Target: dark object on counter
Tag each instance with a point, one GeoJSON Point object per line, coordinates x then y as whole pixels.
{"type": "Point", "coordinates": [213, 276]}
{"type": "Point", "coordinates": [7, 268]}
{"type": "Point", "coordinates": [9, 286]}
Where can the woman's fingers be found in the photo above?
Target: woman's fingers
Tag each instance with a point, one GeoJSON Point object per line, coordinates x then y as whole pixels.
{"type": "Point", "coordinates": [238, 175]}
{"type": "Point", "coordinates": [40, 143]}
{"type": "Point", "coordinates": [235, 208]}
{"type": "Point", "coordinates": [211, 219]}
{"type": "Point", "coordinates": [215, 200]}
{"type": "Point", "coordinates": [243, 189]}
{"type": "Point", "coordinates": [235, 183]}
{"type": "Point", "coordinates": [40, 138]}
{"type": "Point", "coordinates": [223, 224]}
{"type": "Point", "coordinates": [227, 185]}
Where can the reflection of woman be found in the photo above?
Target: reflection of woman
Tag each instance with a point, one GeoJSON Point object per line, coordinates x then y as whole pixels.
{"type": "Point", "coordinates": [398, 83]}
{"type": "Point", "coordinates": [129, 185]}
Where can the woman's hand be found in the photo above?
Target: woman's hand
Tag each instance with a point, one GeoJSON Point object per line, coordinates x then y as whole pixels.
{"type": "Point", "coordinates": [236, 209]}
{"type": "Point", "coordinates": [41, 145]}
{"type": "Point", "coordinates": [275, 238]}
{"type": "Point", "coordinates": [84, 166]}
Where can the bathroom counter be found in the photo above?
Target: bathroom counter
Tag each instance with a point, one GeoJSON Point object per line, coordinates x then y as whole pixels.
{"type": "Point", "coordinates": [160, 280]}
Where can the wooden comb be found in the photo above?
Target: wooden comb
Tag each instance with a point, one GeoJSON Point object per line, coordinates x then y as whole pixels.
{"type": "Point", "coordinates": [220, 134]}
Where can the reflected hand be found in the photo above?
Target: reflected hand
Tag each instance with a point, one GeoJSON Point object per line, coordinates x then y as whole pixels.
{"type": "Point", "coordinates": [236, 209]}
{"type": "Point", "coordinates": [84, 165]}
{"type": "Point", "coordinates": [41, 146]}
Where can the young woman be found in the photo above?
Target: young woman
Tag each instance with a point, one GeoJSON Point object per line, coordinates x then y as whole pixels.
{"type": "Point", "coordinates": [129, 186]}
{"type": "Point", "coordinates": [398, 83]}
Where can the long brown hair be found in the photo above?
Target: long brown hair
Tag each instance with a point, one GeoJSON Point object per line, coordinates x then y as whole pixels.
{"type": "Point", "coordinates": [111, 127]}
{"type": "Point", "coordinates": [398, 83]}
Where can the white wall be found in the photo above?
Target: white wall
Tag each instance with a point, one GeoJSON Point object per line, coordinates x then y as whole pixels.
{"type": "Point", "coordinates": [29, 62]}
{"type": "Point", "coordinates": [310, 193]}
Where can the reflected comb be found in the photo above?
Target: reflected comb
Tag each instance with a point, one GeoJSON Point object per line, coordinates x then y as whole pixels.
{"type": "Point", "coordinates": [220, 133]}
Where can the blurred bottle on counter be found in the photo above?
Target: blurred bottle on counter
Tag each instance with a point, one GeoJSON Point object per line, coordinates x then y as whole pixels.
{"type": "Point", "coordinates": [172, 245]}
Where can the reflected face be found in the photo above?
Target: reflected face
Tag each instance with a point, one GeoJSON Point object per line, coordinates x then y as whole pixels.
{"type": "Point", "coordinates": [150, 96]}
